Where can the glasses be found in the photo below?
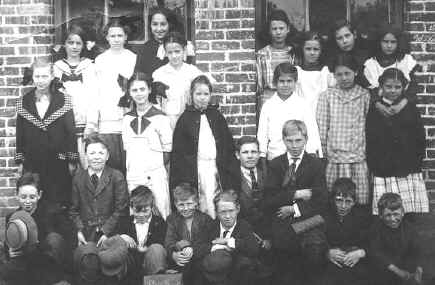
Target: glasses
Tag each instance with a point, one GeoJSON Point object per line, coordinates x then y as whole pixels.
{"type": "Point", "coordinates": [141, 208]}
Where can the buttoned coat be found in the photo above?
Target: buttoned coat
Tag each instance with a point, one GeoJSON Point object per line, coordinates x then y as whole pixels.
{"type": "Point", "coordinates": [99, 208]}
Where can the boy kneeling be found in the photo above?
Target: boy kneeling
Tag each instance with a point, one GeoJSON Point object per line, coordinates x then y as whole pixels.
{"type": "Point", "coordinates": [234, 248]}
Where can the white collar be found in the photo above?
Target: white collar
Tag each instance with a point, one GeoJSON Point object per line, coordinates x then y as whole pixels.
{"type": "Point", "coordinates": [91, 172]}
{"type": "Point", "coordinates": [290, 158]}
{"type": "Point", "coordinates": [146, 222]}
{"type": "Point", "coordinates": [230, 230]}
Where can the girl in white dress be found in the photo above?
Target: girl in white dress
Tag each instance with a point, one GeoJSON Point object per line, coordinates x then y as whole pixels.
{"type": "Point", "coordinates": [177, 75]}
{"type": "Point", "coordinates": [147, 138]}
{"type": "Point", "coordinates": [114, 67]}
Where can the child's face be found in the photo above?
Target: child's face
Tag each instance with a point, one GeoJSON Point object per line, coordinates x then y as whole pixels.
{"type": "Point", "coordinates": [159, 26]}
{"type": "Point", "coordinates": [201, 96]}
{"type": "Point", "coordinates": [345, 76]}
{"type": "Point", "coordinates": [312, 50]}
{"type": "Point", "coordinates": [344, 204]}
{"type": "Point", "coordinates": [345, 38]}
{"type": "Point", "coordinates": [392, 218]}
{"type": "Point", "coordinates": [42, 77]}
{"type": "Point", "coordinates": [392, 89]}
{"type": "Point", "coordinates": [278, 31]}
{"type": "Point", "coordinates": [142, 211]}
{"type": "Point", "coordinates": [187, 207]}
{"type": "Point", "coordinates": [227, 213]}
{"type": "Point", "coordinates": [248, 155]}
{"type": "Point", "coordinates": [28, 198]}
{"type": "Point", "coordinates": [295, 143]}
{"type": "Point", "coordinates": [285, 85]}
{"type": "Point", "coordinates": [389, 44]}
{"type": "Point", "coordinates": [175, 53]}
{"type": "Point", "coordinates": [139, 91]}
{"type": "Point", "coordinates": [73, 46]}
{"type": "Point", "coordinates": [97, 155]}
{"type": "Point", "coordinates": [116, 38]}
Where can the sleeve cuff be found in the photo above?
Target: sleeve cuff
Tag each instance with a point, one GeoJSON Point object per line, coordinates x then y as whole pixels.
{"type": "Point", "coordinates": [231, 243]}
{"type": "Point", "coordinates": [297, 211]}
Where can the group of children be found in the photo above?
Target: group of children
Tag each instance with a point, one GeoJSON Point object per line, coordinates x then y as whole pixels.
{"type": "Point", "coordinates": [132, 148]}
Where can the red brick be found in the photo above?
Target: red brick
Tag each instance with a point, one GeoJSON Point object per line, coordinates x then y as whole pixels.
{"type": "Point", "coordinates": [430, 47]}
{"type": "Point", "coordinates": [248, 66]}
{"type": "Point", "coordinates": [235, 131]}
{"type": "Point", "coordinates": [225, 24]}
{"type": "Point", "coordinates": [22, 20]}
{"type": "Point", "coordinates": [9, 92]}
{"type": "Point", "coordinates": [202, 45]}
{"type": "Point", "coordinates": [242, 56]}
{"type": "Point", "coordinates": [21, 40]}
{"type": "Point", "coordinates": [18, 60]}
{"type": "Point", "coordinates": [233, 14]}
{"type": "Point", "coordinates": [416, 47]}
{"type": "Point", "coordinates": [8, 192]}
{"type": "Point", "coordinates": [249, 109]}
{"type": "Point", "coordinates": [7, 10]}
{"type": "Point", "coordinates": [204, 67]}
{"type": "Point", "coordinates": [210, 56]}
{"type": "Point", "coordinates": [225, 3]}
{"type": "Point", "coordinates": [249, 44]}
{"type": "Point", "coordinates": [230, 109]}
{"type": "Point", "coordinates": [10, 2]}
{"type": "Point", "coordinates": [7, 112]}
{"type": "Point", "coordinates": [43, 39]}
{"type": "Point", "coordinates": [249, 87]}
{"type": "Point", "coordinates": [240, 99]}
{"type": "Point", "coordinates": [202, 25]}
{"type": "Point", "coordinates": [14, 81]}
{"type": "Point", "coordinates": [225, 45]}
{"type": "Point", "coordinates": [249, 131]}
{"type": "Point", "coordinates": [226, 88]}
{"type": "Point", "coordinates": [236, 77]}
{"type": "Point", "coordinates": [38, 9]}
{"type": "Point", "coordinates": [416, 6]}
{"type": "Point", "coordinates": [423, 37]}
{"type": "Point", "coordinates": [224, 67]}
{"type": "Point", "coordinates": [219, 77]}
{"type": "Point", "coordinates": [430, 89]}
{"type": "Point", "coordinates": [430, 6]}
{"type": "Point", "coordinates": [430, 27]}
{"type": "Point", "coordinates": [210, 14]}
{"type": "Point", "coordinates": [240, 35]}
{"type": "Point", "coordinates": [210, 35]}
{"type": "Point", "coordinates": [240, 120]}
{"type": "Point", "coordinates": [11, 71]}
{"type": "Point", "coordinates": [33, 29]}
{"type": "Point", "coordinates": [248, 23]}
{"type": "Point", "coordinates": [414, 27]}
{"type": "Point", "coordinates": [41, 20]}
{"type": "Point", "coordinates": [6, 50]}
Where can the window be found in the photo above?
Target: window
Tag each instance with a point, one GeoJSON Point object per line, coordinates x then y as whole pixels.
{"type": "Point", "coordinates": [318, 15]}
{"type": "Point", "coordinates": [94, 14]}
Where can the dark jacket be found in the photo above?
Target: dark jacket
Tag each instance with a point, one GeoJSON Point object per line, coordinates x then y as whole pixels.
{"type": "Point", "coordinates": [99, 208]}
{"type": "Point", "coordinates": [156, 230]}
{"type": "Point", "coordinates": [199, 237]}
{"type": "Point", "coordinates": [184, 166]}
{"type": "Point", "coordinates": [246, 244]}
{"type": "Point", "coordinates": [395, 145]}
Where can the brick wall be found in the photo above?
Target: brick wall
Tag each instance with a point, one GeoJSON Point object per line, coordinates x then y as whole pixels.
{"type": "Point", "coordinates": [25, 32]}
{"type": "Point", "coordinates": [226, 48]}
{"type": "Point", "coordinates": [420, 22]}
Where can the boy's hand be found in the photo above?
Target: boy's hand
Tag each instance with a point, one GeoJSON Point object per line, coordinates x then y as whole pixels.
{"type": "Point", "coordinates": [418, 275]}
{"type": "Point", "coordinates": [384, 110]}
{"type": "Point", "coordinates": [179, 258]}
{"type": "Point", "coordinates": [336, 256]}
{"type": "Point", "coordinates": [129, 241]}
{"type": "Point", "coordinates": [266, 244]}
{"type": "Point", "coordinates": [353, 257]}
{"type": "Point", "coordinates": [81, 238]}
{"type": "Point", "coordinates": [396, 108]}
{"type": "Point", "coordinates": [285, 212]}
{"type": "Point", "coordinates": [15, 253]}
{"type": "Point", "coordinates": [101, 240]}
{"type": "Point", "coordinates": [304, 194]}
{"type": "Point", "coordinates": [222, 241]}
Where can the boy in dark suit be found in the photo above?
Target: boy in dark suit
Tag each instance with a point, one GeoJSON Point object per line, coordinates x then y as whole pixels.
{"type": "Point", "coordinates": [294, 191]}
{"type": "Point", "coordinates": [144, 233]}
{"type": "Point", "coordinates": [99, 197]}
{"type": "Point", "coordinates": [188, 234]}
{"type": "Point", "coordinates": [394, 249]}
{"type": "Point", "coordinates": [232, 259]}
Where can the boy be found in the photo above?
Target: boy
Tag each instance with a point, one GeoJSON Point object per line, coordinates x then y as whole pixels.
{"type": "Point", "coordinates": [188, 235]}
{"type": "Point", "coordinates": [393, 244]}
{"type": "Point", "coordinates": [99, 197]}
{"type": "Point", "coordinates": [45, 262]}
{"type": "Point", "coordinates": [347, 228]}
{"type": "Point", "coordinates": [144, 233]}
{"type": "Point", "coordinates": [234, 249]}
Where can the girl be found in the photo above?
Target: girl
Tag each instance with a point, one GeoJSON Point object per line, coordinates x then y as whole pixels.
{"type": "Point", "coordinates": [177, 75]}
{"type": "Point", "coordinates": [391, 52]}
{"type": "Point", "coordinates": [45, 137]}
{"type": "Point", "coordinates": [278, 51]}
{"type": "Point", "coordinates": [286, 104]}
{"type": "Point", "coordinates": [396, 146]}
{"type": "Point", "coordinates": [313, 75]}
{"type": "Point", "coordinates": [114, 67]}
{"type": "Point", "coordinates": [147, 137]}
{"type": "Point", "coordinates": [78, 75]}
{"type": "Point", "coordinates": [343, 40]}
{"type": "Point", "coordinates": [203, 152]}
{"type": "Point", "coordinates": [341, 116]}
{"type": "Point", "coordinates": [161, 21]}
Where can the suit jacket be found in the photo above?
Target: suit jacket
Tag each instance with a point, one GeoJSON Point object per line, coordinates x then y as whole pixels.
{"type": "Point", "coordinates": [156, 230]}
{"type": "Point", "coordinates": [99, 208]}
{"type": "Point", "coordinates": [250, 206]}
{"type": "Point", "coordinates": [246, 243]}
{"type": "Point", "coordinates": [199, 237]}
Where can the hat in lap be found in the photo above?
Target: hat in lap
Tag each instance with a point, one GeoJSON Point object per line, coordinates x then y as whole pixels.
{"type": "Point", "coordinates": [21, 231]}
{"type": "Point", "coordinates": [113, 256]}
{"type": "Point", "coordinates": [217, 265]}
{"type": "Point", "coordinates": [87, 262]}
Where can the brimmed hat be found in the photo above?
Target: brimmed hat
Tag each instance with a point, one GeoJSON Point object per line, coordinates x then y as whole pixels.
{"type": "Point", "coordinates": [21, 231]}
{"type": "Point", "coordinates": [113, 256]}
{"type": "Point", "coordinates": [217, 265]}
{"type": "Point", "coordinates": [87, 262]}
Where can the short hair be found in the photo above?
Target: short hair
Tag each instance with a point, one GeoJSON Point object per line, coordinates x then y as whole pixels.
{"type": "Point", "coordinates": [141, 195]}
{"type": "Point", "coordinates": [184, 191]}
{"type": "Point", "coordinates": [337, 25]}
{"type": "Point", "coordinates": [292, 126]}
{"type": "Point", "coordinates": [393, 73]}
{"type": "Point", "coordinates": [201, 79]}
{"type": "Point", "coordinates": [312, 36]}
{"type": "Point", "coordinates": [229, 195]}
{"type": "Point", "coordinates": [345, 187]}
{"type": "Point", "coordinates": [95, 138]}
{"type": "Point", "coordinates": [279, 15]}
{"type": "Point", "coordinates": [28, 178]}
{"type": "Point", "coordinates": [38, 62]}
{"type": "Point", "coordinates": [391, 201]}
{"type": "Point", "coordinates": [402, 41]}
{"type": "Point", "coordinates": [345, 59]}
{"type": "Point", "coordinates": [285, 68]}
{"type": "Point", "coordinates": [175, 37]}
{"type": "Point", "coordinates": [245, 140]}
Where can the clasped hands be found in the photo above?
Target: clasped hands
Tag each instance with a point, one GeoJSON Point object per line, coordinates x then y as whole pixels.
{"type": "Point", "coordinates": [184, 254]}
{"type": "Point", "coordinates": [288, 211]}
{"type": "Point", "coordinates": [342, 258]}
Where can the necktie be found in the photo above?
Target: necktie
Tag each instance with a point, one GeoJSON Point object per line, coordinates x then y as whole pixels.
{"type": "Point", "coordinates": [290, 178]}
{"type": "Point", "coordinates": [225, 234]}
{"type": "Point", "coordinates": [94, 180]}
{"type": "Point", "coordinates": [254, 184]}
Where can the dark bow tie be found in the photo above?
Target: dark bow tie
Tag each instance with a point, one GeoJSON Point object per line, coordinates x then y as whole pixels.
{"type": "Point", "coordinates": [72, 77]}
{"type": "Point", "coordinates": [144, 123]}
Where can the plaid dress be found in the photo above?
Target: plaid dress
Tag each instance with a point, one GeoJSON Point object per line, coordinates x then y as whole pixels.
{"type": "Point", "coordinates": [341, 117]}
